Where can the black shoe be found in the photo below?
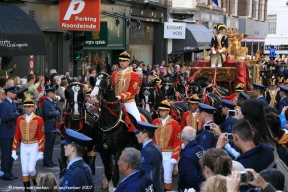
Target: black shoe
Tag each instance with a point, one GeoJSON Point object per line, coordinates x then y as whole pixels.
{"type": "Point", "coordinates": [7, 177]}
{"type": "Point", "coordinates": [11, 175]}
{"type": "Point", "coordinates": [47, 165]}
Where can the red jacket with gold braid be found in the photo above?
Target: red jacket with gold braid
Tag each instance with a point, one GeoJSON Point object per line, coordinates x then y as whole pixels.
{"type": "Point", "coordinates": [126, 85]}
{"type": "Point", "coordinates": [31, 132]}
{"type": "Point", "coordinates": [168, 137]}
{"type": "Point", "coordinates": [189, 120]}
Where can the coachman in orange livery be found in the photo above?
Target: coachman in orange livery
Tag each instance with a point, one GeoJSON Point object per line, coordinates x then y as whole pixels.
{"type": "Point", "coordinates": [30, 130]}
{"type": "Point", "coordinates": [168, 139]}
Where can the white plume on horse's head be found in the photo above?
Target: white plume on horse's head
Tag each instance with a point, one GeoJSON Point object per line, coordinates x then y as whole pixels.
{"type": "Point", "coordinates": [95, 92]}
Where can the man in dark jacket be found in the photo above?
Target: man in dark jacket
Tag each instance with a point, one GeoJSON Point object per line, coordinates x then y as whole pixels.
{"type": "Point", "coordinates": [50, 116]}
{"type": "Point", "coordinates": [77, 174]}
{"type": "Point", "coordinates": [135, 179]}
{"type": "Point", "coordinates": [8, 116]}
{"type": "Point", "coordinates": [258, 91]}
{"type": "Point", "coordinates": [151, 154]}
{"type": "Point", "coordinates": [190, 172]}
{"type": "Point", "coordinates": [229, 121]}
{"type": "Point", "coordinates": [255, 156]}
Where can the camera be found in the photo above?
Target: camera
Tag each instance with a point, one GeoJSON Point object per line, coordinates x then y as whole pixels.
{"type": "Point", "coordinates": [232, 113]}
{"type": "Point", "coordinates": [229, 137]}
{"type": "Point", "coordinates": [207, 127]}
{"type": "Point", "coordinates": [245, 177]}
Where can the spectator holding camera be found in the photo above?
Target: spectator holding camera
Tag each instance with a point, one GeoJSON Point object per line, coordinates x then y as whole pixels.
{"type": "Point", "coordinates": [190, 173]}
{"type": "Point", "coordinates": [256, 156]}
{"type": "Point", "coordinates": [233, 182]}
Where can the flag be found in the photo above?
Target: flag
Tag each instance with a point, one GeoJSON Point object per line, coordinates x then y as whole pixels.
{"type": "Point", "coordinates": [216, 2]}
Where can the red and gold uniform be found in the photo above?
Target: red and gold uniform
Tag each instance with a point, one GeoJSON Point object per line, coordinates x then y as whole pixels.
{"type": "Point", "coordinates": [30, 130]}
{"type": "Point", "coordinates": [127, 84]}
{"type": "Point", "coordinates": [168, 138]}
{"type": "Point", "coordinates": [191, 119]}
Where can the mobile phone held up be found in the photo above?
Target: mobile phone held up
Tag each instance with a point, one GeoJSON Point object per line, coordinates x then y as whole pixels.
{"type": "Point", "coordinates": [229, 136]}
{"type": "Point", "coordinates": [207, 127]}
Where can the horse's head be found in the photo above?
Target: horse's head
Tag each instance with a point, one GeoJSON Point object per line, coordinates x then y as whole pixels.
{"type": "Point", "coordinates": [75, 100]}
{"type": "Point", "coordinates": [102, 86]}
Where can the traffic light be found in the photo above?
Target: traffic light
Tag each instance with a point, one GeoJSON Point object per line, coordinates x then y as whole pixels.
{"type": "Point", "coordinates": [78, 41]}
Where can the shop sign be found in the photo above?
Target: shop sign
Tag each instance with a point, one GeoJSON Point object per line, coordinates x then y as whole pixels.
{"type": "Point", "coordinates": [276, 47]}
{"type": "Point", "coordinates": [97, 38]}
{"type": "Point", "coordinates": [174, 30]}
{"type": "Point", "coordinates": [81, 15]}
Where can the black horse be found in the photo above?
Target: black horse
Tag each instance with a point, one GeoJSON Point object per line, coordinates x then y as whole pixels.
{"type": "Point", "coordinates": [112, 133]}
{"type": "Point", "coordinates": [74, 118]}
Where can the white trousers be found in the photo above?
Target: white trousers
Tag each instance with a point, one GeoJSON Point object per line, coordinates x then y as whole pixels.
{"type": "Point", "coordinates": [133, 110]}
{"type": "Point", "coordinates": [28, 154]}
{"type": "Point", "coordinates": [167, 166]}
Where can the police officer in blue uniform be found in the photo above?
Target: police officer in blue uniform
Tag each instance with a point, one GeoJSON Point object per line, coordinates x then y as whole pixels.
{"type": "Point", "coordinates": [50, 116]}
{"type": "Point", "coordinates": [241, 98]}
{"type": "Point", "coordinates": [8, 116]}
{"type": "Point", "coordinates": [151, 154]}
{"type": "Point", "coordinates": [190, 172]}
{"type": "Point", "coordinates": [258, 91]}
{"type": "Point", "coordinates": [227, 125]}
{"type": "Point", "coordinates": [205, 138]}
{"type": "Point", "coordinates": [78, 175]}
{"type": "Point", "coordinates": [284, 99]}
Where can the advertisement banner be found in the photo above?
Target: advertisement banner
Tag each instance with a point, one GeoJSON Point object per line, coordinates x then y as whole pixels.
{"type": "Point", "coordinates": [79, 15]}
{"type": "Point", "coordinates": [174, 30]}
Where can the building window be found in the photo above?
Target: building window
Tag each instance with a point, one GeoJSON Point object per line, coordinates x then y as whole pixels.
{"type": "Point", "coordinates": [262, 10]}
{"type": "Point", "coordinates": [256, 9]}
{"type": "Point", "coordinates": [235, 8]}
{"type": "Point", "coordinates": [249, 8]}
{"type": "Point", "coordinates": [272, 19]}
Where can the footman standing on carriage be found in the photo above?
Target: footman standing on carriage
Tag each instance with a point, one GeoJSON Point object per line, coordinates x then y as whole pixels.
{"type": "Point", "coordinates": [151, 154]}
{"type": "Point", "coordinates": [127, 85]}
{"type": "Point", "coordinates": [30, 130]}
{"type": "Point", "coordinates": [258, 91]}
{"type": "Point", "coordinates": [219, 45]}
{"type": "Point", "coordinates": [77, 174]}
{"type": "Point", "coordinates": [192, 117]}
{"type": "Point", "coordinates": [50, 116]}
{"type": "Point", "coordinates": [168, 138]}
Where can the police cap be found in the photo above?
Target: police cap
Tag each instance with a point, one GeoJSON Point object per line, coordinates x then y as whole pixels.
{"type": "Point", "coordinates": [76, 138]}
{"type": "Point", "coordinates": [284, 89]}
{"type": "Point", "coordinates": [258, 86]}
{"type": "Point", "coordinates": [143, 126]}
{"type": "Point", "coordinates": [12, 89]}
{"type": "Point", "coordinates": [51, 89]}
{"type": "Point", "coordinates": [227, 103]}
{"type": "Point", "coordinates": [243, 95]}
{"type": "Point", "coordinates": [206, 108]}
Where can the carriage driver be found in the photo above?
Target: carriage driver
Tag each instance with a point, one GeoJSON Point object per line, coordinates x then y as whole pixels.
{"type": "Point", "coordinates": [127, 84]}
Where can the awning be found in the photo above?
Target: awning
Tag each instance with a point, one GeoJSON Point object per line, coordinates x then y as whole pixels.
{"type": "Point", "coordinates": [248, 40]}
{"type": "Point", "coordinates": [198, 37]}
{"type": "Point", "coordinates": [19, 33]}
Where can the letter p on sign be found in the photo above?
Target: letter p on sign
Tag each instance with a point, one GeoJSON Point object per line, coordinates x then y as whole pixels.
{"type": "Point", "coordinates": [75, 7]}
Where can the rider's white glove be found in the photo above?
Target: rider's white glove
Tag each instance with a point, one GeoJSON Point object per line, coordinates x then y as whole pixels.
{"type": "Point", "coordinates": [173, 161]}
{"type": "Point", "coordinates": [14, 156]}
{"type": "Point", "coordinates": [214, 52]}
{"type": "Point", "coordinates": [39, 156]}
{"type": "Point", "coordinates": [118, 97]}
{"type": "Point", "coordinates": [220, 51]}
{"type": "Point", "coordinates": [58, 97]}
